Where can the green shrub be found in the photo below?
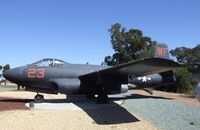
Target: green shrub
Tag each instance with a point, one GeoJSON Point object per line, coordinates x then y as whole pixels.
{"type": "Point", "coordinates": [183, 80]}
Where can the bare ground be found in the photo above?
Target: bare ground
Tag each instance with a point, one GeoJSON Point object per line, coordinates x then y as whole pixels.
{"type": "Point", "coordinates": [60, 120]}
{"type": "Point", "coordinates": [114, 118]}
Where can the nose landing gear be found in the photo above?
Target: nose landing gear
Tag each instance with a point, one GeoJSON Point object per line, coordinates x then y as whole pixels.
{"type": "Point", "coordinates": [38, 98]}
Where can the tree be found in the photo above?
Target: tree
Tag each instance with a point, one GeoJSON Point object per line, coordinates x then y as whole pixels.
{"type": "Point", "coordinates": [188, 56]}
{"type": "Point", "coordinates": [128, 45]}
{"type": "Point", "coordinates": [183, 80]}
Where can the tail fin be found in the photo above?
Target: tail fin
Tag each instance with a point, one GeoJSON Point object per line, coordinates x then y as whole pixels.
{"type": "Point", "coordinates": [161, 51]}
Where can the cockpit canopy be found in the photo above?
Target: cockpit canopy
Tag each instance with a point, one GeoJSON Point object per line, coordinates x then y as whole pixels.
{"type": "Point", "coordinates": [49, 62]}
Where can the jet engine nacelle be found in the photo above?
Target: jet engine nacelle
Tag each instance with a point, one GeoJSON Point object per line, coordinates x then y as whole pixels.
{"type": "Point", "coordinates": [123, 88]}
{"type": "Point", "coordinates": [67, 86]}
{"type": "Point", "coordinates": [197, 92]}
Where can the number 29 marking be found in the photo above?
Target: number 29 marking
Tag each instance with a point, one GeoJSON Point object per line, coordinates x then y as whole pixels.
{"type": "Point", "coordinates": [36, 73]}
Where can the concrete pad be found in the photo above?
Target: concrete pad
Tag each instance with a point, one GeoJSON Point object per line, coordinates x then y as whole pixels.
{"type": "Point", "coordinates": [76, 103]}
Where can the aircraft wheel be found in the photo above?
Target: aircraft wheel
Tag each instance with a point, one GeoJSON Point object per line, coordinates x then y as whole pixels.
{"type": "Point", "coordinates": [90, 96]}
{"type": "Point", "coordinates": [102, 96]}
{"type": "Point", "coordinates": [39, 98]}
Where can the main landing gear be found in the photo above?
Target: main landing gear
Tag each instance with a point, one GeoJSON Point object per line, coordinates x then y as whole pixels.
{"type": "Point", "coordinates": [102, 96]}
{"type": "Point", "coordinates": [91, 94]}
{"type": "Point", "coordinates": [38, 98]}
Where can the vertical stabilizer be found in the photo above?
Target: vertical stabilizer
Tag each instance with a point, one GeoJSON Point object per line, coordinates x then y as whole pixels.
{"type": "Point", "coordinates": [161, 51]}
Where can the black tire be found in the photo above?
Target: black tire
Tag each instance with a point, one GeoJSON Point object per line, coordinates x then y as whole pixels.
{"type": "Point", "coordinates": [102, 96]}
{"type": "Point", "coordinates": [91, 94]}
{"type": "Point", "coordinates": [38, 98]}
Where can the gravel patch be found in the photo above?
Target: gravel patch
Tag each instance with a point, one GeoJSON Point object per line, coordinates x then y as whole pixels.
{"type": "Point", "coordinates": [166, 114]}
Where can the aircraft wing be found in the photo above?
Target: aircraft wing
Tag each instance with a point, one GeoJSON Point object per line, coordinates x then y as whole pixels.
{"type": "Point", "coordinates": [138, 68]}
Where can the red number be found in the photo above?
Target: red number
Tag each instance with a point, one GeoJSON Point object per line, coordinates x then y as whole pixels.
{"type": "Point", "coordinates": [31, 73]}
{"type": "Point", "coordinates": [161, 51]}
{"type": "Point", "coordinates": [36, 73]}
{"type": "Point", "coordinates": [40, 73]}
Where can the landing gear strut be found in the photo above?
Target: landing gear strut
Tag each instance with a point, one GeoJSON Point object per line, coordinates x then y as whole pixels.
{"type": "Point", "coordinates": [102, 96]}
{"type": "Point", "coordinates": [38, 98]}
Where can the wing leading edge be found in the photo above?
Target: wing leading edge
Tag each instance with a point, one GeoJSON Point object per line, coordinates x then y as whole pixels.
{"type": "Point", "coordinates": [138, 68]}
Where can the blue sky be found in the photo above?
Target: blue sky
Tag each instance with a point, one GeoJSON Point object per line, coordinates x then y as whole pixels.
{"type": "Point", "coordinates": [77, 30]}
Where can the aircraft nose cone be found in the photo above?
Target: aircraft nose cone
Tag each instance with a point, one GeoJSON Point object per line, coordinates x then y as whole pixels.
{"type": "Point", "coordinates": [12, 75]}
{"type": "Point", "coordinates": [7, 74]}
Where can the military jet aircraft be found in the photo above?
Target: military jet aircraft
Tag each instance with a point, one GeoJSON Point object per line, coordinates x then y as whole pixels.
{"type": "Point", "coordinates": [56, 76]}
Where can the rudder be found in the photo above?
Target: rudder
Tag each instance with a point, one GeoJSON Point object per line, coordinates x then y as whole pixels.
{"type": "Point", "coordinates": [161, 51]}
